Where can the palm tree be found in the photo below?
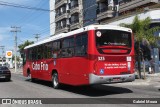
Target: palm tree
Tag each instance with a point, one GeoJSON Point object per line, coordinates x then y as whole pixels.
{"type": "Point", "coordinates": [142, 32]}
{"type": "Point", "coordinates": [22, 46]}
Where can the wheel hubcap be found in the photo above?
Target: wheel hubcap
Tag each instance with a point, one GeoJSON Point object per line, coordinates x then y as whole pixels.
{"type": "Point", "coordinates": [55, 80]}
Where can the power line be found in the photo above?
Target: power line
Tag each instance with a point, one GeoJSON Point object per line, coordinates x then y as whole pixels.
{"type": "Point", "coordinates": [31, 13]}
{"type": "Point", "coordinates": [24, 17]}
{"type": "Point", "coordinates": [21, 6]}
{"type": "Point", "coordinates": [27, 7]}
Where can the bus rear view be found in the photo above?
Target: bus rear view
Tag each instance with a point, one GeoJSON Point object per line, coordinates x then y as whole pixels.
{"type": "Point", "coordinates": [94, 54]}
{"type": "Point", "coordinates": [114, 56]}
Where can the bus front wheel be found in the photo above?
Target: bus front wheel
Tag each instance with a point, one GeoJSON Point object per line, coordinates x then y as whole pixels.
{"type": "Point", "coordinates": [55, 81]}
{"type": "Point", "coordinates": [30, 76]}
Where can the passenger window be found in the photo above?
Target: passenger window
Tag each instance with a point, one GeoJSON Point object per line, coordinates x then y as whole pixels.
{"type": "Point", "coordinates": [56, 48]}
{"type": "Point", "coordinates": [81, 44]}
{"type": "Point", "coordinates": [67, 47]}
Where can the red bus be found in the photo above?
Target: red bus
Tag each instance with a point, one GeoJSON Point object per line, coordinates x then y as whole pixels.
{"type": "Point", "coordinates": [96, 54]}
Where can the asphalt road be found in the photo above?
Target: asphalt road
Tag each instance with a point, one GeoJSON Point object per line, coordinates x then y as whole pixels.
{"type": "Point", "coordinates": [21, 87]}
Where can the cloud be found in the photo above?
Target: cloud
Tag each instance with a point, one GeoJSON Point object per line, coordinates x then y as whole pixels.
{"type": "Point", "coordinates": [3, 38]}
{"type": "Point", "coordinates": [7, 42]}
{"type": "Point", "coordinates": [32, 27]}
{"type": "Point", "coordinates": [4, 30]}
{"type": "Point", "coordinates": [16, 1]}
{"type": "Point", "coordinates": [6, 38]}
{"type": "Point", "coordinates": [4, 33]}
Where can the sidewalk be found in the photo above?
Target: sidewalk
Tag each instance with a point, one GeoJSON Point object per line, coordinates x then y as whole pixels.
{"type": "Point", "coordinates": [151, 79]}
{"type": "Point", "coordinates": [148, 75]}
{"type": "Point", "coordinates": [19, 71]}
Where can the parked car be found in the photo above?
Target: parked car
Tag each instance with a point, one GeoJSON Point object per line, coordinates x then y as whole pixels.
{"type": "Point", "coordinates": [5, 73]}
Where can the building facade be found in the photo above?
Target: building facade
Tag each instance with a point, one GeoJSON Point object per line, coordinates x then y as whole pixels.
{"type": "Point", "coordinates": [52, 17]}
{"type": "Point", "coordinates": [89, 12]}
{"type": "Point", "coordinates": [74, 14]}
{"type": "Point", "coordinates": [68, 15]}
{"type": "Point", "coordinates": [106, 9]}
{"type": "Point", "coordinates": [109, 11]}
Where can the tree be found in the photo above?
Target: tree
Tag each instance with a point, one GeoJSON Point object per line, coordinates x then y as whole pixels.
{"type": "Point", "coordinates": [142, 32]}
{"type": "Point", "coordinates": [22, 46]}
{"type": "Point", "coordinates": [18, 58]}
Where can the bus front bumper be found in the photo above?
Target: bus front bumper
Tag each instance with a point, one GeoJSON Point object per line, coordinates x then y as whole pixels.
{"type": "Point", "coordinates": [97, 79]}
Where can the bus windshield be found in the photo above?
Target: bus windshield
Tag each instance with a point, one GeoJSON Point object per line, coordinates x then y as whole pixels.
{"type": "Point", "coordinates": [106, 38]}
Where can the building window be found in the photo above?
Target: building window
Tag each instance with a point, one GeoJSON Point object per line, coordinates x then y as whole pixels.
{"type": "Point", "coordinates": [63, 23]}
{"type": "Point", "coordinates": [74, 3]}
{"type": "Point", "coordinates": [57, 1]}
{"type": "Point", "coordinates": [75, 18]}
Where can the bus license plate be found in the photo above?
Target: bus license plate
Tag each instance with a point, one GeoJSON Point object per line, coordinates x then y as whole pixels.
{"type": "Point", "coordinates": [2, 76]}
{"type": "Point", "coordinates": [116, 79]}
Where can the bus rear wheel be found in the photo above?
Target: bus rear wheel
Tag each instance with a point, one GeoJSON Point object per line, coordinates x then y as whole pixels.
{"type": "Point", "coordinates": [55, 81]}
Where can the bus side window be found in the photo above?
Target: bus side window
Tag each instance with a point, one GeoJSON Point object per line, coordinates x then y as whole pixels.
{"type": "Point", "coordinates": [81, 44]}
{"type": "Point", "coordinates": [56, 48]}
{"type": "Point", "coordinates": [45, 50]}
{"type": "Point", "coordinates": [49, 45]}
{"type": "Point", "coordinates": [39, 52]}
{"type": "Point", "coordinates": [67, 47]}
{"type": "Point", "coordinates": [34, 53]}
{"type": "Point", "coordinates": [24, 58]}
{"type": "Point", "coordinates": [30, 54]}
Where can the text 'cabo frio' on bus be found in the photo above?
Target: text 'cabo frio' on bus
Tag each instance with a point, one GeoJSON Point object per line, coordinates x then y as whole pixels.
{"type": "Point", "coordinates": [41, 66]}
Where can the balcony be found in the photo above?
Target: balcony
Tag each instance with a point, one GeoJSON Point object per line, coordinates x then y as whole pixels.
{"type": "Point", "coordinates": [74, 9]}
{"type": "Point", "coordinates": [60, 3]}
{"type": "Point", "coordinates": [57, 1]}
{"type": "Point", "coordinates": [75, 25]}
{"type": "Point", "coordinates": [61, 29]}
{"type": "Point", "coordinates": [100, 0]}
{"type": "Point", "coordinates": [105, 13]}
{"type": "Point", "coordinates": [61, 16]}
{"type": "Point", "coordinates": [135, 3]}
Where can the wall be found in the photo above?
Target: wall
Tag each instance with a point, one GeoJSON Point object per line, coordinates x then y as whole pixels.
{"type": "Point", "coordinates": [52, 17]}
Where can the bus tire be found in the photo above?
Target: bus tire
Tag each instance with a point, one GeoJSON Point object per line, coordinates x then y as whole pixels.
{"type": "Point", "coordinates": [30, 76]}
{"type": "Point", "coordinates": [55, 80]}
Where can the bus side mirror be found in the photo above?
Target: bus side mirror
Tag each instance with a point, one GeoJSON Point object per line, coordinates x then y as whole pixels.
{"type": "Point", "coordinates": [54, 56]}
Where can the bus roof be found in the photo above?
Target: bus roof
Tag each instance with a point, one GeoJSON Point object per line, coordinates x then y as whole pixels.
{"type": "Point", "coordinates": [87, 28]}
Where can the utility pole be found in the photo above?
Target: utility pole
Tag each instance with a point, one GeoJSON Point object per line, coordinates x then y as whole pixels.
{"type": "Point", "coordinates": [37, 36]}
{"type": "Point", "coordinates": [2, 47]}
{"type": "Point", "coordinates": [15, 29]}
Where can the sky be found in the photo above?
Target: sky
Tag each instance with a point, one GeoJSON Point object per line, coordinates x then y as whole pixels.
{"type": "Point", "coordinates": [31, 22]}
